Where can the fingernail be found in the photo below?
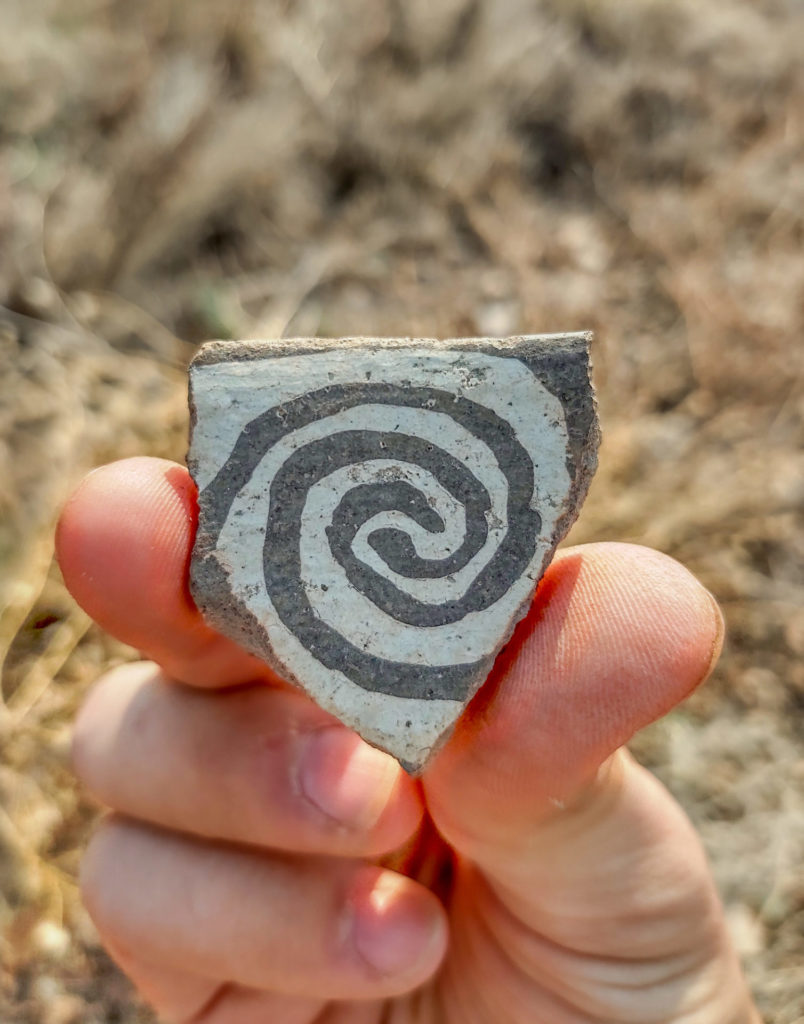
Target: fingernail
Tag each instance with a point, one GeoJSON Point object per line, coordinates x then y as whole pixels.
{"type": "Point", "coordinates": [396, 930]}
{"type": "Point", "coordinates": [346, 779]}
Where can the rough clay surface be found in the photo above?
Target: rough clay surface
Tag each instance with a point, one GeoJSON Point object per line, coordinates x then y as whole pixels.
{"type": "Point", "coordinates": [375, 514]}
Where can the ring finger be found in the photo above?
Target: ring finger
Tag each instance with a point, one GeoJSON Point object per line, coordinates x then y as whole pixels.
{"type": "Point", "coordinates": [290, 925]}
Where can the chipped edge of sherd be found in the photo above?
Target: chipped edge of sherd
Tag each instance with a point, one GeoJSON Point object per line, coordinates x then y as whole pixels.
{"type": "Point", "coordinates": [213, 352]}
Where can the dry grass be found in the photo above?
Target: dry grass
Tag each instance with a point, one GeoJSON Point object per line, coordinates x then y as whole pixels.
{"type": "Point", "coordinates": [173, 170]}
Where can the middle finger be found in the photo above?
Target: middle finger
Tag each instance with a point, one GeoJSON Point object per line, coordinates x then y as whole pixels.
{"type": "Point", "coordinates": [256, 765]}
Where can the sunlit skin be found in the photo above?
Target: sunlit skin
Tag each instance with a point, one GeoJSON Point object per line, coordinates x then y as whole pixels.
{"type": "Point", "coordinates": [261, 863]}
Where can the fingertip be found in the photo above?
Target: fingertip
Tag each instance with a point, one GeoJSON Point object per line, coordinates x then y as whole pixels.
{"type": "Point", "coordinates": [618, 635]}
{"type": "Point", "coordinates": [359, 788]}
{"type": "Point", "coordinates": [123, 543]}
{"type": "Point", "coordinates": [399, 929]}
{"type": "Point", "coordinates": [128, 530]}
{"type": "Point", "coordinates": [641, 611]}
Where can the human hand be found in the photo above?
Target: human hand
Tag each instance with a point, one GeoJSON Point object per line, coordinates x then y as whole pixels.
{"type": "Point", "coordinates": [247, 871]}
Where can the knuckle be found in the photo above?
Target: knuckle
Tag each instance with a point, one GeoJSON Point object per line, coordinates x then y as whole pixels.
{"type": "Point", "coordinates": [84, 746]}
{"type": "Point", "coordinates": [99, 880]}
{"type": "Point", "coordinates": [90, 730]}
{"type": "Point", "coordinates": [80, 745]}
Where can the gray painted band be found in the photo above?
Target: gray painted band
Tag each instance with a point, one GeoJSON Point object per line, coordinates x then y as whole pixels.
{"type": "Point", "coordinates": [317, 459]}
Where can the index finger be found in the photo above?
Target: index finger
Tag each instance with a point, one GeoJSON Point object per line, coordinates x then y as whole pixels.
{"type": "Point", "coordinates": [123, 543]}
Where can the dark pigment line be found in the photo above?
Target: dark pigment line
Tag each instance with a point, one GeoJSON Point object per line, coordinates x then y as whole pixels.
{"type": "Point", "coordinates": [319, 458]}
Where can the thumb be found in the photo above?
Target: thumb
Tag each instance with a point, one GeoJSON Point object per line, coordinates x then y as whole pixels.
{"type": "Point", "coordinates": [582, 891]}
{"type": "Point", "coordinates": [616, 637]}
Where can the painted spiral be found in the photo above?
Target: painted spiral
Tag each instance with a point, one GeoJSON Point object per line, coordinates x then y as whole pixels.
{"type": "Point", "coordinates": [387, 526]}
{"type": "Point", "coordinates": [383, 458]}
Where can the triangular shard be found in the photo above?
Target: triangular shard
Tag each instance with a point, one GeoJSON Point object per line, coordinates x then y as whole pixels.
{"type": "Point", "coordinates": [375, 514]}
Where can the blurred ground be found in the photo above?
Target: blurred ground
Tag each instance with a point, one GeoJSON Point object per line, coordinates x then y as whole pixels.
{"type": "Point", "coordinates": [173, 170]}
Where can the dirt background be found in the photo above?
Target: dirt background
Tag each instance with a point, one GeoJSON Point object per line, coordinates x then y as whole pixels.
{"type": "Point", "coordinates": [174, 170]}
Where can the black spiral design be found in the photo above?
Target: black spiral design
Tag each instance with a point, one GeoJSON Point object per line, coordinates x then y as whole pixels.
{"type": "Point", "coordinates": [315, 460]}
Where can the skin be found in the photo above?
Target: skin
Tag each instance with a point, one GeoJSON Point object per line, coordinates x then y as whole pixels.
{"type": "Point", "coordinates": [261, 862]}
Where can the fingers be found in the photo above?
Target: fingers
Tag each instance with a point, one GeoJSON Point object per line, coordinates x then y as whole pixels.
{"type": "Point", "coordinates": [617, 636]}
{"type": "Point", "coordinates": [123, 543]}
{"type": "Point", "coordinates": [293, 926]}
{"type": "Point", "coordinates": [252, 765]}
